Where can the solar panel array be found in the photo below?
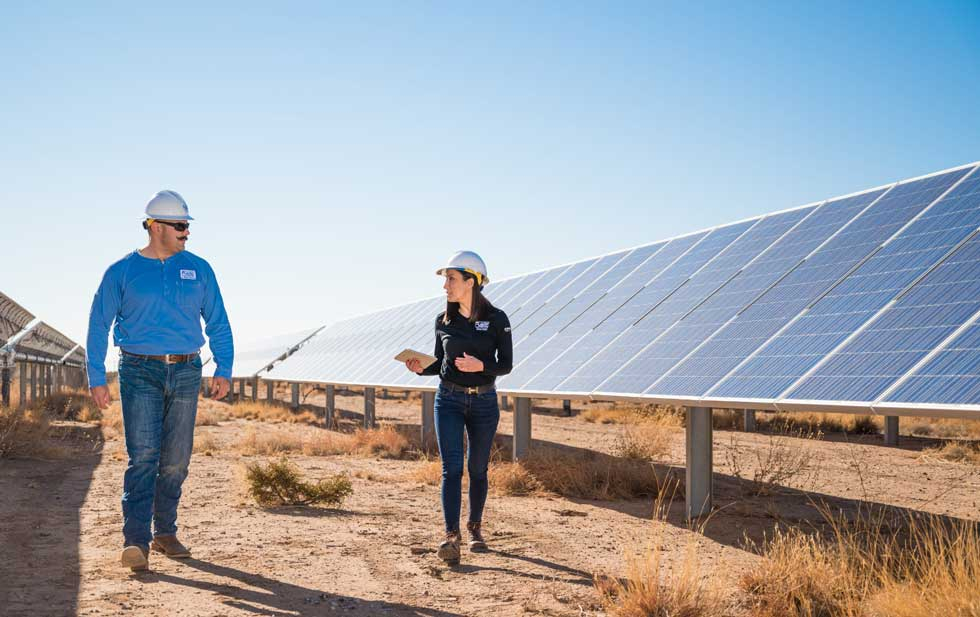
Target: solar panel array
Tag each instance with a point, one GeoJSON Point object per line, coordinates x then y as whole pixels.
{"type": "Point", "coordinates": [41, 342]}
{"type": "Point", "coordinates": [863, 300]}
{"type": "Point", "coordinates": [252, 359]}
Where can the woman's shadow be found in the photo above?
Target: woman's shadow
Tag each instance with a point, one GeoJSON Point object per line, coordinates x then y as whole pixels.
{"type": "Point", "coordinates": [281, 599]}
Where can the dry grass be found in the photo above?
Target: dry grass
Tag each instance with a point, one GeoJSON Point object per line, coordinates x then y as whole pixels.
{"type": "Point", "coordinates": [208, 416]}
{"type": "Point", "coordinates": [68, 405]}
{"type": "Point", "coordinates": [651, 589]}
{"type": "Point", "coordinates": [265, 411]}
{"type": "Point", "coordinates": [956, 452]}
{"type": "Point", "coordinates": [648, 439]}
{"type": "Point", "coordinates": [633, 414]}
{"type": "Point", "coordinates": [383, 442]}
{"type": "Point", "coordinates": [509, 478]}
{"type": "Point", "coordinates": [279, 483]}
{"type": "Point", "coordinates": [765, 468]}
{"type": "Point", "coordinates": [874, 565]}
{"type": "Point", "coordinates": [205, 443]}
{"type": "Point", "coordinates": [580, 475]}
{"type": "Point", "coordinates": [942, 428]}
{"type": "Point", "coordinates": [654, 588]}
{"type": "Point", "coordinates": [589, 475]}
{"type": "Point", "coordinates": [24, 433]}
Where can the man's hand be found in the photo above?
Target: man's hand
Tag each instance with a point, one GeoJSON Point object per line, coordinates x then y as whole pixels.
{"type": "Point", "coordinates": [219, 387]}
{"type": "Point", "coordinates": [414, 365]}
{"type": "Point", "coordinates": [469, 364]}
{"type": "Point", "coordinates": [101, 396]}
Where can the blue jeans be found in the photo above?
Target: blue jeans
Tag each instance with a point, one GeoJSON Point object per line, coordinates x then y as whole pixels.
{"type": "Point", "coordinates": [478, 414]}
{"type": "Point", "coordinates": [159, 403]}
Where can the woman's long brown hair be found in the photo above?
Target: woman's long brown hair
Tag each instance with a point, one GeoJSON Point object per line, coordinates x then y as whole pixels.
{"type": "Point", "coordinates": [480, 307]}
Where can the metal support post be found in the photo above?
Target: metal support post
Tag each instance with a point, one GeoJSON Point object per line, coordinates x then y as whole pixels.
{"type": "Point", "coordinates": [330, 411]}
{"type": "Point", "coordinates": [428, 421]}
{"type": "Point", "coordinates": [369, 408]}
{"type": "Point", "coordinates": [891, 430]}
{"type": "Point", "coordinates": [748, 417]}
{"type": "Point", "coordinates": [699, 462]}
{"type": "Point", "coordinates": [295, 393]}
{"type": "Point", "coordinates": [522, 428]}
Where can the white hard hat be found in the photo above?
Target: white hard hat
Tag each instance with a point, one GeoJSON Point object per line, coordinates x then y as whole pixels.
{"type": "Point", "coordinates": [467, 261]}
{"type": "Point", "coordinates": [168, 206]}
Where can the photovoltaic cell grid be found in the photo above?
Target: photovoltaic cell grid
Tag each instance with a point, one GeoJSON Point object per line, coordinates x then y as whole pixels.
{"type": "Point", "coordinates": [769, 269]}
{"type": "Point", "coordinates": [604, 320]}
{"type": "Point", "coordinates": [846, 303]}
{"type": "Point", "coordinates": [746, 311]}
{"type": "Point", "coordinates": [674, 343]}
{"type": "Point", "coordinates": [575, 323]}
{"type": "Point", "coordinates": [252, 359]}
{"type": "Point", "coordinates": [921, 318]}
{"type": "Point", "coordinates": [714, 266]}
{"type": "Point", "coordinates": [627, 341]}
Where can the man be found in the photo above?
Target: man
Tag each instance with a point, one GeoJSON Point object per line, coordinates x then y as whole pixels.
{"type": "Point", "coordinates": [156, 296]}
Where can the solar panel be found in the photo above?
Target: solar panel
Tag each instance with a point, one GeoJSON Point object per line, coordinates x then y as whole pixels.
{"type": "Point", "coordinates": [574, 324]}
{"type": "Point", "coordinates": [952, 376]}
{"type": "Point", "coordinates": [844, 305]}
{"type": "Point", "coordinates": [863, 218]}
{"type": "Point", "coordinates": [594, 278]}
{"type": "Point", "coordinates": [663, 351]}
{"type": "Point", "coordinates": [13, 318]}
{"type": "Point", "coordinates": [842, 301]}
{"type": "Point", "coordinates": [686, 271]}
{"type": "Point", "coordinates": [604, 320]}
{"type": "Point", "coordinates": [911, 326]}
{"type": "Point", "coordinates": [251, 359]}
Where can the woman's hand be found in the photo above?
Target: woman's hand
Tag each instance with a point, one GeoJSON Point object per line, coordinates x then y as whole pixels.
{"type": "Point", "coordinates": [469, 364]}
{"type": "Point", "coordinates": [414, 365]}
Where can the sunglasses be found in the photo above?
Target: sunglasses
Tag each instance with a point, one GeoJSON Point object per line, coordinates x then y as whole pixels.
{"type": "Point", "coordinates": [179, 226]}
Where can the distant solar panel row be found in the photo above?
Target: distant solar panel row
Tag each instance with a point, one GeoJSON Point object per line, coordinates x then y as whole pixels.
{"type": "Point", "coordinates": [869, 297]}
{"type": "Point", "coordinates": [41, 341]}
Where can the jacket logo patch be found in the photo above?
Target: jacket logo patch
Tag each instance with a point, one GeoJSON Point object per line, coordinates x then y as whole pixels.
{"type": "Point", "coordinates": [482, 326]}
{"type": "Point", "coordinates": [188, 275]}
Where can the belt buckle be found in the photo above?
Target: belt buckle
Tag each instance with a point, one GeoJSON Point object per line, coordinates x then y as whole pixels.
{"type": "Point", "coordinates": [473, 390]}
{"type": "Point", "coordinates": [170, 358]}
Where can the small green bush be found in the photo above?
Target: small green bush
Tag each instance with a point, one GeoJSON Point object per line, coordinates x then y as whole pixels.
{"type": "Point", "coordinates": [280, 484]}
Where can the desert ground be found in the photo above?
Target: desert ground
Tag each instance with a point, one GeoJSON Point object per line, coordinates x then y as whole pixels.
{"type": "Point", "coordinates": [553, 544]}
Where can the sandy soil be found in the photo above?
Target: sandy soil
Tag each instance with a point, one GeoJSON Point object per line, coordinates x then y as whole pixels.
{"type": "Point", "coordinates": [60, 528]}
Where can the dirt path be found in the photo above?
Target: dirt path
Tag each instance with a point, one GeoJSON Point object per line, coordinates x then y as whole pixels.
{"type": "Point", "coordinates": [60, 531]}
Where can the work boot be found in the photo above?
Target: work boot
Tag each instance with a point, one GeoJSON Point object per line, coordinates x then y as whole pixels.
{"type": "Point", "coordinates": [477, 543]}
{"type": "Point", "coordinates": [449, 549]}
{"type": "Point", "coordinates": [136, 558]}
{"type": "Point", "coordinates": [170, 546]}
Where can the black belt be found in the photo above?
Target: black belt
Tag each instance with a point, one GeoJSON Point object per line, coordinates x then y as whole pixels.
{"type": "Point", "coordinates": [170, 358]}
{"type": "Point", "coordinates": [452, 387]}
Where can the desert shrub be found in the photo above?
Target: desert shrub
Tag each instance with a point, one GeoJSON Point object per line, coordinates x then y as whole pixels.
{"type": "Point", "coordinates": [279, 483]}
{"type": "Point", "coordinates": [764, 468]}
{"type": "Point", "coordinates": [956, 452]}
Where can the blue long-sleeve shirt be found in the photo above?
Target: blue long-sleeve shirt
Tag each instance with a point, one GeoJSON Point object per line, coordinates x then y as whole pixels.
{"type": "Point", "coordinates": [157, 308]}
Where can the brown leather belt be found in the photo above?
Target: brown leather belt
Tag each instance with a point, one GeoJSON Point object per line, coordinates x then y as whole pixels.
{"type": "Point", "coordinates": [452, 387]}
{"type": "Point", "coordinates": [170, 358]}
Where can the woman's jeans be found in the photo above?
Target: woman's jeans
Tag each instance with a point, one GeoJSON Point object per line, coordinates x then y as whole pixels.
{"type": "Point", "coordinates": [159, 403]}
{"type": "Point", "coordinates": [479, 415]}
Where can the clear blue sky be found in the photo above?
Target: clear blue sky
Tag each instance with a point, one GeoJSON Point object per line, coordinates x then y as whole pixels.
{"type": "Point", "coordinates": [334, 156]}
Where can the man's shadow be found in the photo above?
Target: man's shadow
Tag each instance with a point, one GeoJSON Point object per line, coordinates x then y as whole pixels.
{"type": "Point", "coordinates": [281, 599]}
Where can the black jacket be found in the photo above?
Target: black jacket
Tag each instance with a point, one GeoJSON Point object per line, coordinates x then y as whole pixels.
{"type": "Point", "coordinates": [487, 340]}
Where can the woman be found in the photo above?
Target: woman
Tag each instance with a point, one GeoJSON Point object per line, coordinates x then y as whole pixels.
{"type": "Point", "coordinates": [473, 348]}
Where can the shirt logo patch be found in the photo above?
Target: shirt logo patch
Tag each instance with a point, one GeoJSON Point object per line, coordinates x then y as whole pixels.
{"type": "Point", "coordinates": [188, 275]}
{"type": "Point", "coordinates": [482, 326]}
